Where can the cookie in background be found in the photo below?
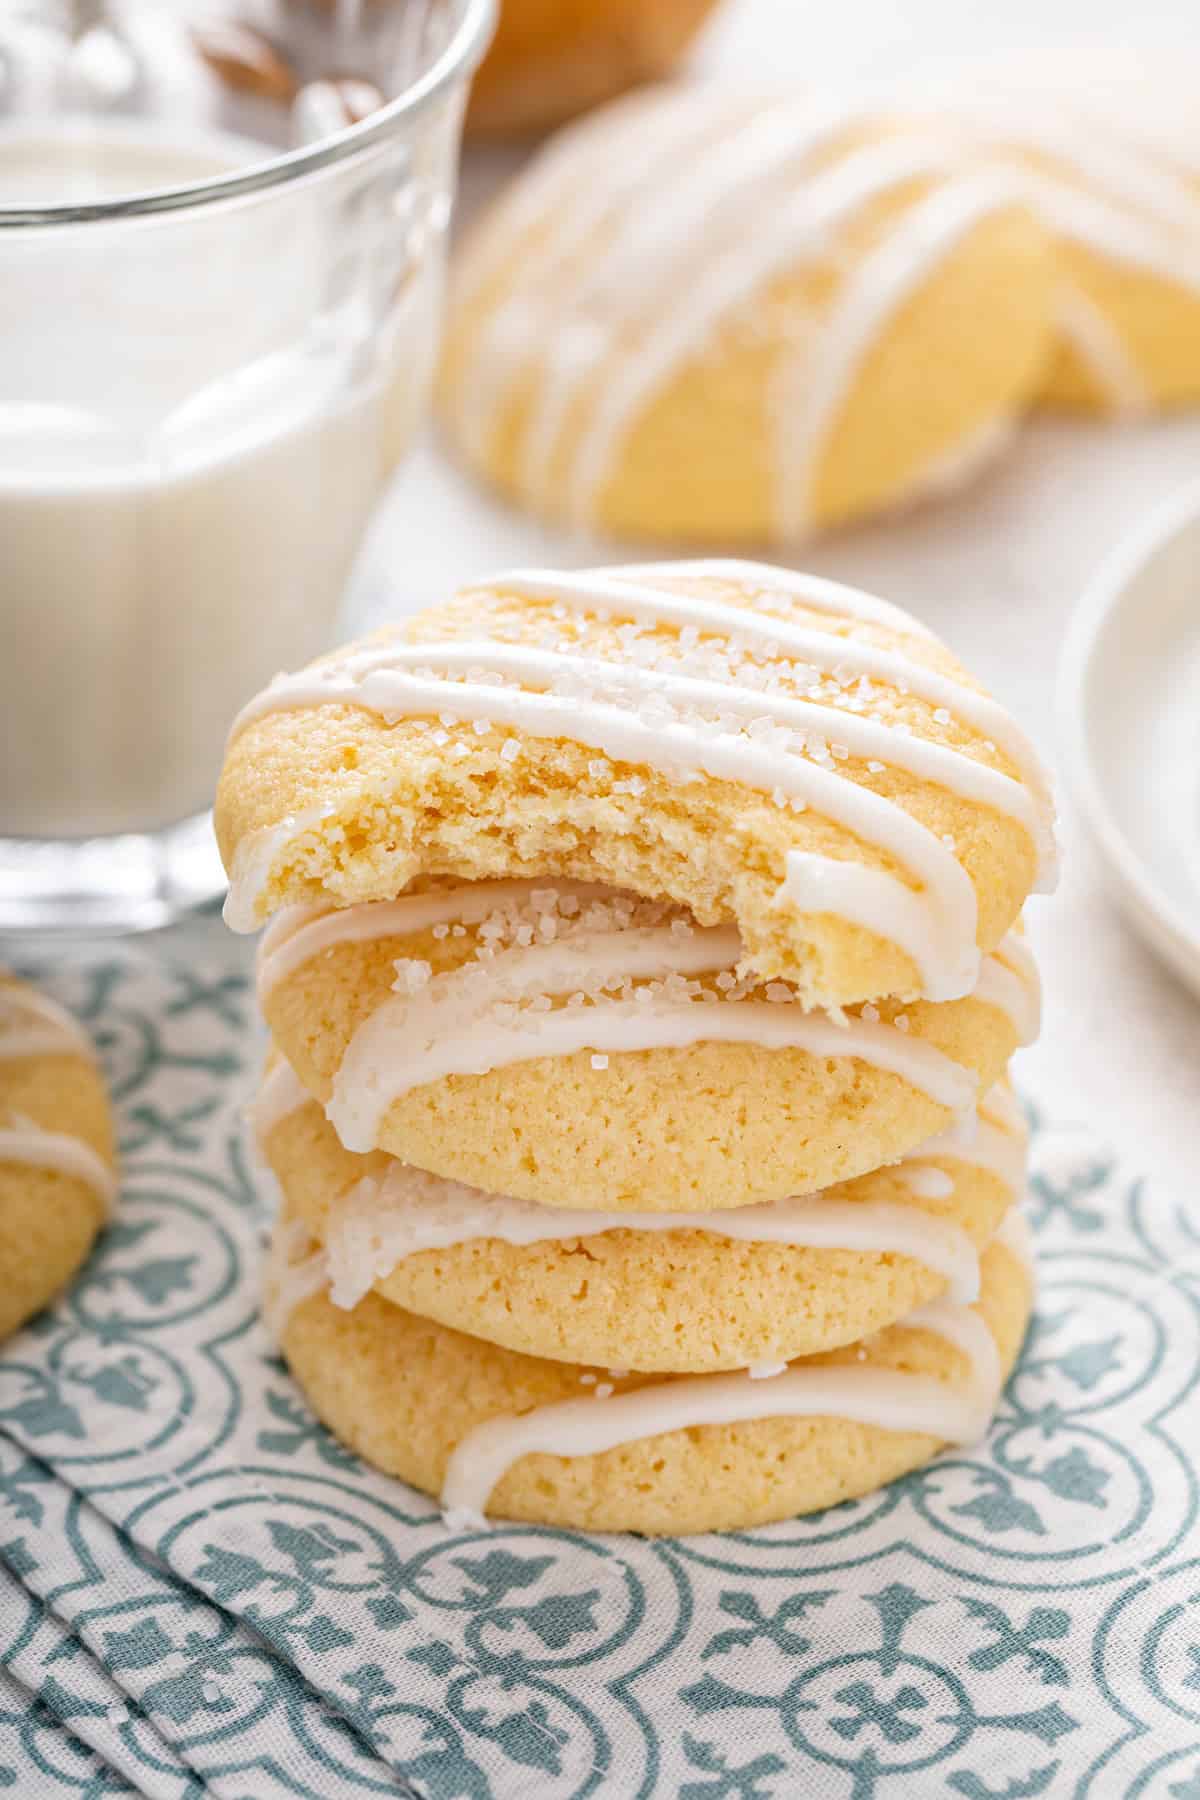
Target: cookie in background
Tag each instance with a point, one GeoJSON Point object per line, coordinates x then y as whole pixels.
{"type": "Point", "coordinates": [1109, 148]}
{"type": "Point", "coordinates": [57, 1156]}
{"type": "Point", "coordinates": [552, 59]}
{"type": "Point", "coordinates": [698, 316]}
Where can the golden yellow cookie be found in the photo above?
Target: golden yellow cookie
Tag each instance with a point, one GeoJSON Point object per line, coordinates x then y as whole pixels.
{"type": "Point", "coordinates": [617, 1063]}
{"type": "Point", "coordinates": [756, 745]}
{"type": "Point", "coordinates": [405, 1393]}
{"type": "Point", "coordinates": [57, 1161]}
{"type": "Point", "coordinates": [1109, 150]}
{"type": "Point", "coordinates": [1130, 339]}
{"type": "Point", "coordinates": [714, 317]}
{"type": "Point", "coordinates": [675, 1298]}
{"type": "Point", "coordinates": [551, 59]}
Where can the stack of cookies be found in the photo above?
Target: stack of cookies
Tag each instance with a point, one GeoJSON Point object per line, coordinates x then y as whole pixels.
{"type": "Point", "coordinates": [643, 971]}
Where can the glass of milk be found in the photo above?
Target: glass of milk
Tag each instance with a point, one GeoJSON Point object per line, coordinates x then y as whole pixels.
{"type": "Point", "coordinates": [221, 251]}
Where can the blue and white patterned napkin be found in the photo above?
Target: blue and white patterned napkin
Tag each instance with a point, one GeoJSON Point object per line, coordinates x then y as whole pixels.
{"type": "Point", "coordinates": [202, 1593]}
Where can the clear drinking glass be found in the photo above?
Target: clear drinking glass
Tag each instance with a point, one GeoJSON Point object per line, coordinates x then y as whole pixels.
{"type": "Point", "coordinates": [222, 237]}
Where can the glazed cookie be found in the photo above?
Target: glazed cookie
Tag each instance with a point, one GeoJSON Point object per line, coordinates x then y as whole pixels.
{"type": "Point", "coordinates": [576, 1047]}
{"type": "Point", "coordinates": [1109, 150]}
{"type": "Point", "coordinates": [691, 1293]}
{"type": "Point", "coordinates": [550, 60]}
{"type": "Point", "coordinates": [550, 1442]}
{"type": "Point", "coordinates": [57, 1162]}
{"type": "Point", "coordinates": [744, 318]}
{"type": "Point", "coordinates": [755, 745]}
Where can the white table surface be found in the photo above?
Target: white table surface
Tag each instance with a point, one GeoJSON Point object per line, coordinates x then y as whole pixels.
{"type": "Point", "coordinates": [997, 571]}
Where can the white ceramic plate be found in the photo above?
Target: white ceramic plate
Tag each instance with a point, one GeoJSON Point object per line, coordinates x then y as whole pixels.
{"type": "Point", "coordinates": [1130, 720]}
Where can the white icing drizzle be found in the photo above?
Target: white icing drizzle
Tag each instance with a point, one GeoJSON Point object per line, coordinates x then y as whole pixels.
{"type": "Point", "coordinates": [32, 1024]}
{"type": "Point", "coordinates": [812, 389]}
{"type": "Point", "coordinates": [993, 1149]}
{"type": "Point", "coordinates": [1144, 133]}
{"type": "Point", "coordinates": [627, 684]}
{"type": "Point", "coordinates": [1110, 181]}
{"type": "Point", "coordinates": [298, 933]}
{"type": "Point", "coordinates": [512, 332]}
{"type": "Point", "coordinates": [602, 592]}
{"type": "Point", "coordinates": [627, 736]}
{"type": "Point", "coordinates": [927, 1183]}
{"type": "Point", "coordinates": [963, 1327]}
{"type": "Point", "coordinates": [654, 245]}
{"type": "Point", "coordinates": [586, 959]}
{"type": "Point", "coordinates": [1016, 954]}
{"type": "Point", "coordinates": [667, 123]}
{"type": "Point", "coordinates": [292, 1273]}
{"type": "Point", "coordinates": [284, 925]}
{"type": "Point", "coordinates": [963, 1130]}
{"type": "Point", "coordinates": [999, 1105]}
{"type": "Point", "coordinates": [887, 1398]}
{"type": "Point", "coordinates": [27, 1144]}
{"type": "Point", "coordinates": [814, 592]}
{"type": "Point", "coordinates": [662, 718]}
{"type": "Point", "coordinates": [1117, 170]}
{"type": "Point", "coordinates": [453, 1027]}
{"type": "Point", "coordinates": [449, 1024]}
{"type": "Point", "coordinates": [1125, 237]}
{"type": "Point", "coordinates": [1099, 347]}
{"type": "Point", "coordinates": [800, 228]}
{"type": "Point", "coordinates": [281, 1094]}
{"type": "Point", "coordinates": [996, 1145]}
{"type": "Point", "coordinates": [921, 923]}
{"type": "Point", "coordinates": [1009, 980]}
{"type": "Point", "coordinates": [376, 1225]}
{"type": "Point", "coordinates": [1103, 188]}
{"type": "Point", "coordinates": [881, 904]}
{"type": "Point", "coordinates": [254, 860]}
{"type": "Point", "coordinates": [1017, 1239]}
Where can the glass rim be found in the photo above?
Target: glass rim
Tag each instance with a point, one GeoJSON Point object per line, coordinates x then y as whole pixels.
{"type": "Point", "coordinates": [455, 61]}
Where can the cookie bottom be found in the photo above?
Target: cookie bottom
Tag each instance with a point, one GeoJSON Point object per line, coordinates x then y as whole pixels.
{"type": "Point", "coordinates": [405, 1393]}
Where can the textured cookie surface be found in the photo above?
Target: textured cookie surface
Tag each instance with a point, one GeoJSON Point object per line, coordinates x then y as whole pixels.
{"type": "Point", "coordinates": [56, 1152]}
{"type": "Point", "coordinates": [755, 745]}
{"type": "Point", "coordinates": [682, 1126]}
{"type": "Point", "coordinates": [683, 1299]}
{"type": "Point", "coordinates": [823, 312]}
{"type": "Point", "coordinates": [403, 1392]}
